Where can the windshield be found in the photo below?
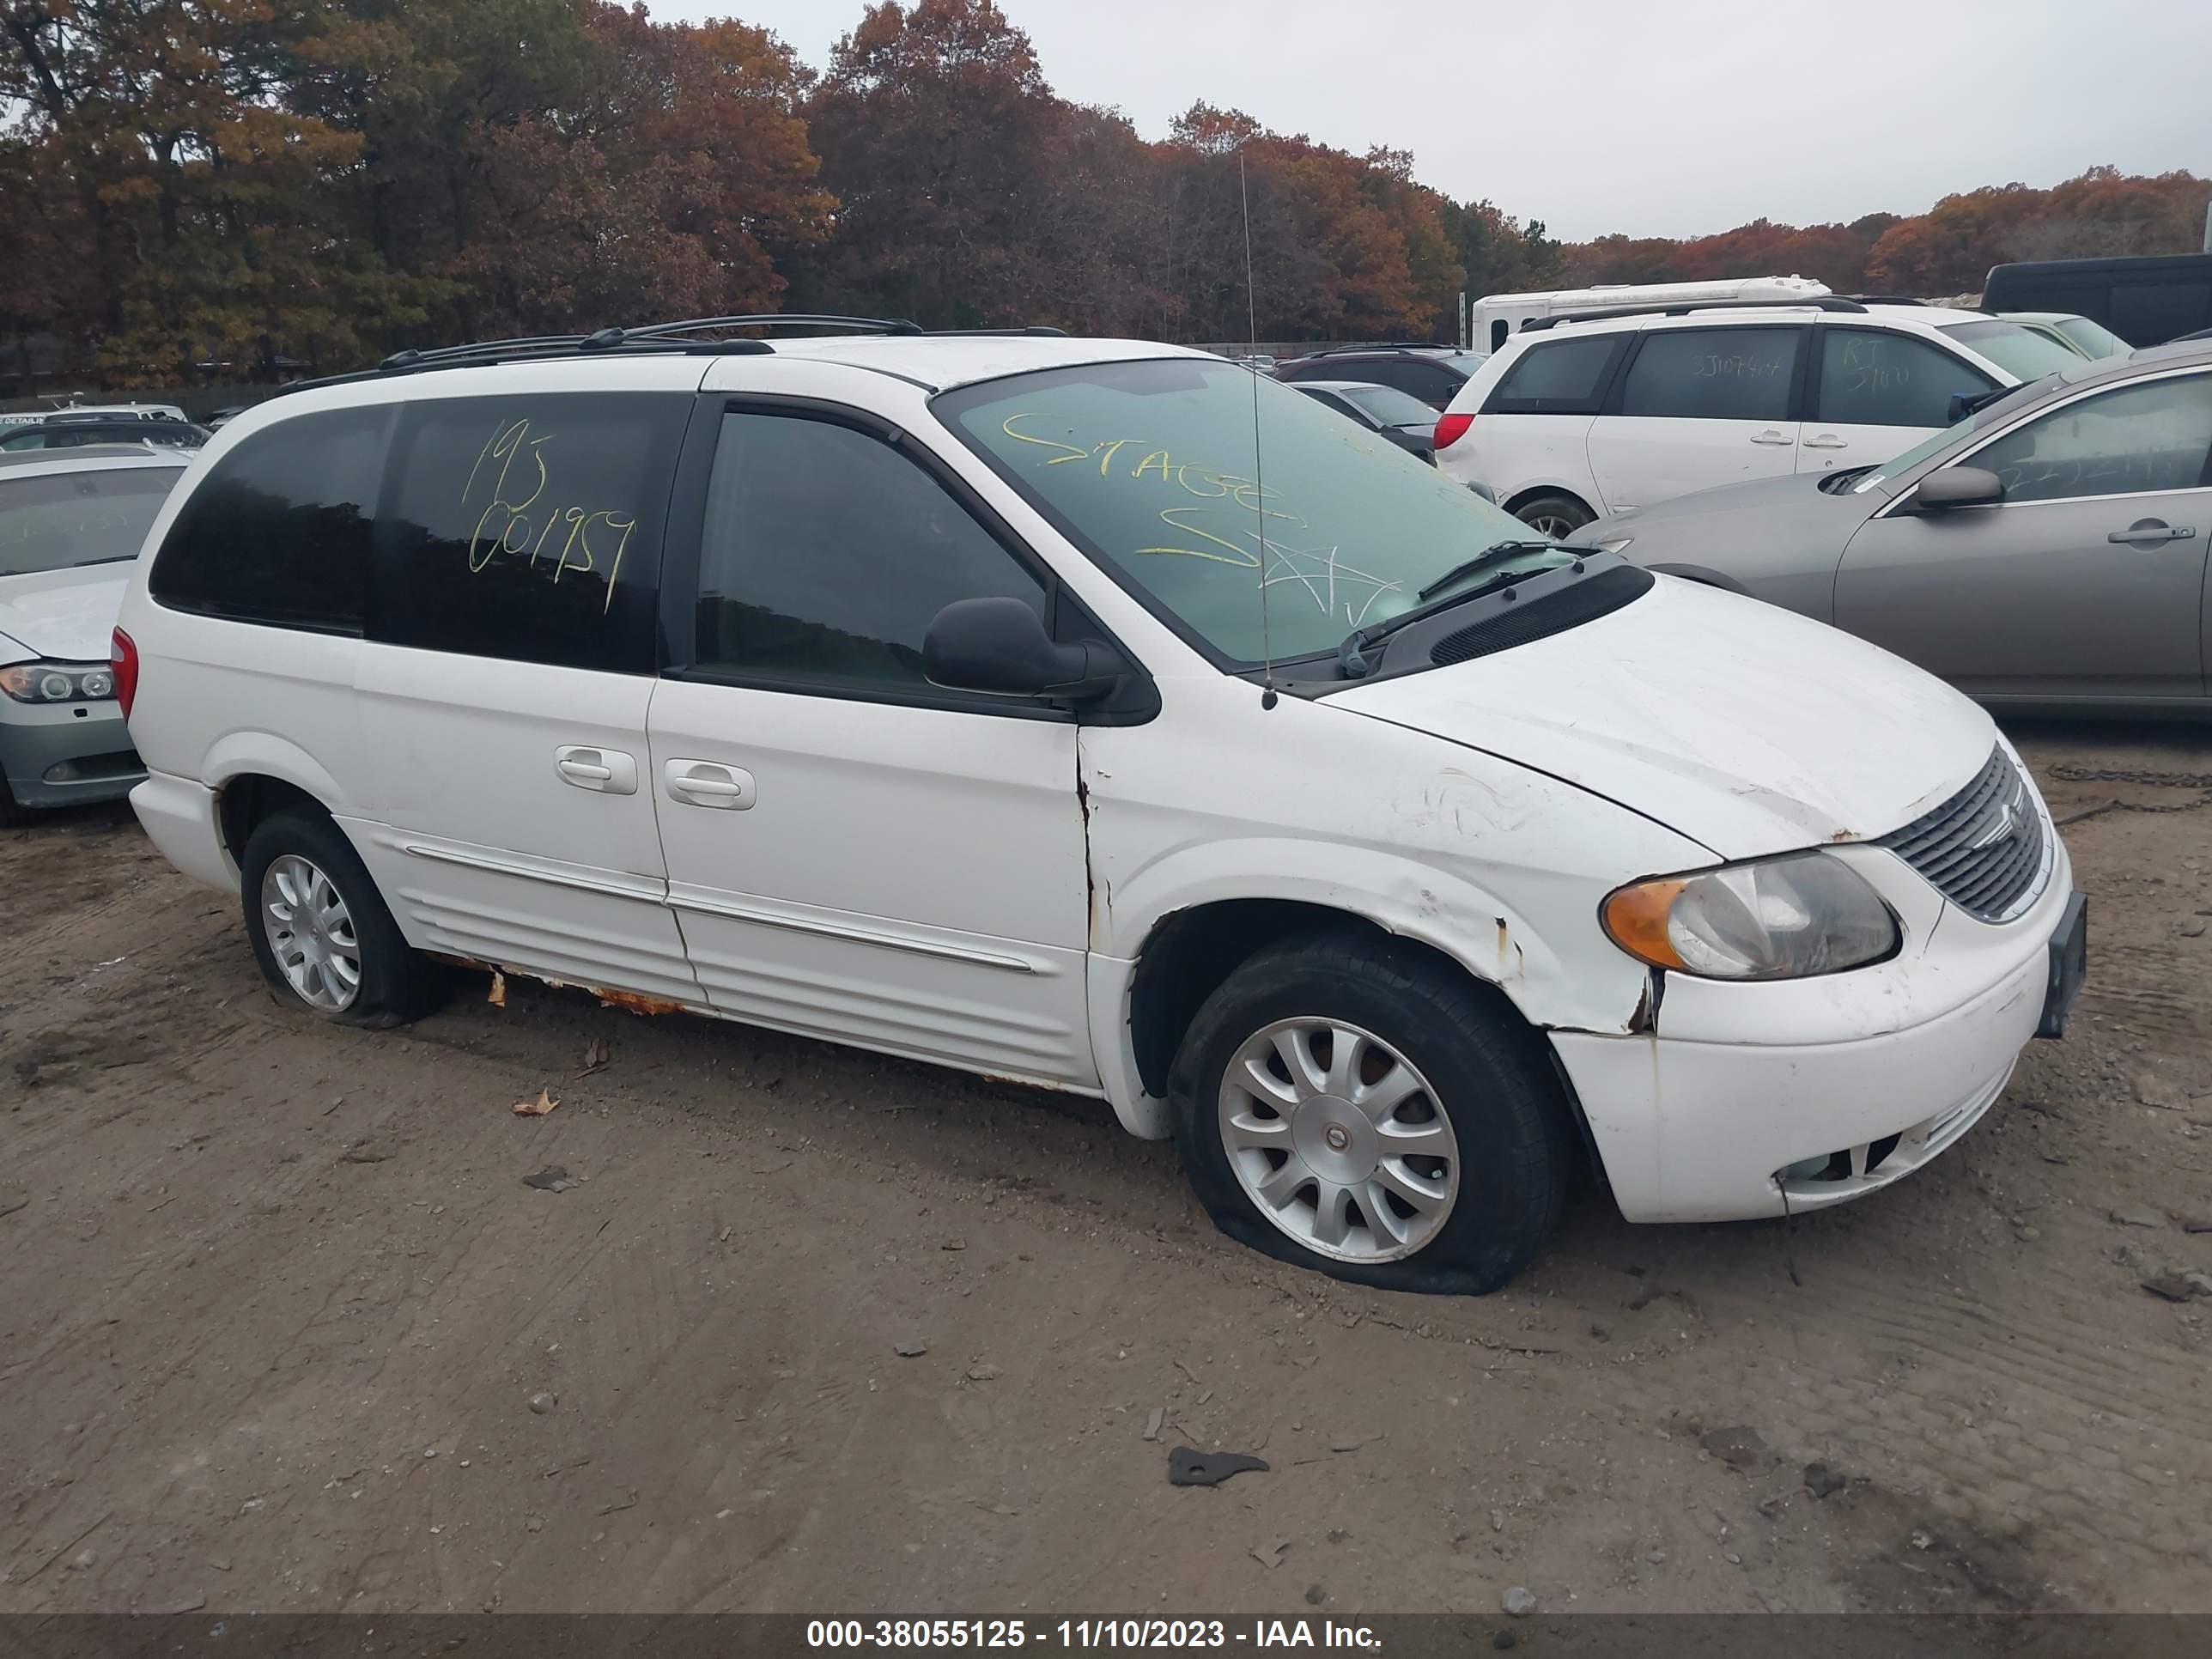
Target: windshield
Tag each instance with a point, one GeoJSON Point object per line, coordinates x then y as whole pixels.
{"type": "Point", "coordinates": [1987, 416]}
{"type": "Point", "coordinates": [2092, 337]}
{"type": "Point", "coordinates": [1150, 467]}
{"type": "Point", "coordinates": [1391, 406]}
{"type": "Point", "coordinates": [2020, 352]}
{"type": "Point", "coordinates": [65, 519]}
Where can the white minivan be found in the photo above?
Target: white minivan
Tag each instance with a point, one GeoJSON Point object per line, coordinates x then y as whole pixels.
{"type": "Point", "coordinates": [1044, 707]}
{"type": "Point", "coordinates": [1611, 411]}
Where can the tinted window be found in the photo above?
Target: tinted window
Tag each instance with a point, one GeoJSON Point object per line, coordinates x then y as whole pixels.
{"type": "Point", "coordinates": [1392, 407]}
{"type": "Point", "coordinates": [826, 555]}
{"type": "Point", "coordinates": [1873, 379]}
{"type": "Point", "coordinates": [1558, 376]}
{"type": "Point", "coordinates": [1714, 373]}
{"type": "Point", "coordinates": [1336, 401]}
{"type": "Point", "coordinates": [279, 532]}
{"type": "Point", "coordinates": [89, 517]}
{"type": "Point", "coordinates": [1428, 382]}
{"type": "Point", "coordinates": [528, 527]}
{"type": "Point", "coordinates": [2155, 436]}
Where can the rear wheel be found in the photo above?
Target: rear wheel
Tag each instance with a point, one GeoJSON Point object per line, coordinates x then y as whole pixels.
{"type": "Point", "coordinates": [1354, 1106]}
{"type": "Point", "coordinates": [321, 931]}
{"type": "Point", "coordinates": [1554, 514]}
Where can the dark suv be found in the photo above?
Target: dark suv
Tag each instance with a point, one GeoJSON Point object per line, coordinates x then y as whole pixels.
{"type": "Point", "coordinates": [1431, 372]}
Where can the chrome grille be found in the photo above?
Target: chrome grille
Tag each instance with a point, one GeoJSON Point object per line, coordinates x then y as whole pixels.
{"type": "Point", "coordinates": [1983, 848]}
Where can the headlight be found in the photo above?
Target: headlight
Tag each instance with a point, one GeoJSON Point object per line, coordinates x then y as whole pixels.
{"type": "Point", "coordinates": [1783, 918]}
{"type": "Point", "coordinates": [59, 681]}
{"type": "Point", "coordinates": [1612, 544]}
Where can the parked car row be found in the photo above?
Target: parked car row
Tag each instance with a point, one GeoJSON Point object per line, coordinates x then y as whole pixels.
{"type": "Point", "coordinates": [2048, 552]}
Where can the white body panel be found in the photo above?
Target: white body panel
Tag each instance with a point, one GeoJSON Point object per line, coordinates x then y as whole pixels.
{"type": "Point", "coordinates": [908, 880]}
{"type": "Point", "coordinates": [1636, 461]}
{"type": "Point", "coordinates": [61, 615]}
{"type": "Point", "coordinates": [1832, 445]}
{"type": "Point", "coordinates": [979, 889]}
{"type": "Point", "coordinates": [481, 846]}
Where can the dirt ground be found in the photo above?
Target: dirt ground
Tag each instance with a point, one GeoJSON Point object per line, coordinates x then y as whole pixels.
{"type": "Point", "coordinates": [282, 1326]}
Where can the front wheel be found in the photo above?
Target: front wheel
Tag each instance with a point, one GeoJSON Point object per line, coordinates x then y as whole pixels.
{"type": "Point", "coordinates": [1356, 1106]}
{"type": "Point", "coordinates": [1556, 515]}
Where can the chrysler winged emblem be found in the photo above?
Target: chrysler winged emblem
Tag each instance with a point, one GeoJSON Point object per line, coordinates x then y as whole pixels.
{"type": "Point", "coordinates": [2003, 823]}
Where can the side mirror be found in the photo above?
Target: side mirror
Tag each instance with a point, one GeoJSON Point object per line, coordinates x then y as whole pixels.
{"type": "Point", "coordinates": [1958, 486]}
{"type": "Point", "coordinates": [1485, 492]}
{"type": "Point", "coordinates": [1000, 646]}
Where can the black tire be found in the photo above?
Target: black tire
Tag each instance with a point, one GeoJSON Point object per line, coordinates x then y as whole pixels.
{"type": "Point", "coordinates": [1557, 515]}
{"type": "Point", "coordinates": [13, 813]}
{"type": "Point", "coordinates": [1491, 1081]}
{"type": "Point", "coordinates": [397, 983]}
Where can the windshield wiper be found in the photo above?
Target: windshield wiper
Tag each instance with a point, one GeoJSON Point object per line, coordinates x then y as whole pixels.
{"type": "Point", "coordinates": [1493, 554]}
{"type": "Point", "coordinates": [1352, 652]}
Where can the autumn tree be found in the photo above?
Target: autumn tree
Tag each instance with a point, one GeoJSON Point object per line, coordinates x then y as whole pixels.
{"type": "Point", "coordinates": [937, 134]}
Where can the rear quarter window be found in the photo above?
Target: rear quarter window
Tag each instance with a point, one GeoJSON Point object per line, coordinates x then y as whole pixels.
{"type": "Point", "coordinates": [528, 528]}
{"type": "Point", "coordinates": [278, 531]}
{"type": "Point", "coordinates": [1558, 377]}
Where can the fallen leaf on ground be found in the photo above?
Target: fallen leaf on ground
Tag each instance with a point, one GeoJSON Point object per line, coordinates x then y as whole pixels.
{"type": "Point", "coordinates": [1152, 1423]}
{"type": "Point", "coordinates": [497, 995]}
{"type": "Point", "coordinates": [595, 1056]}
{"type": "Point", "coordinates": [1272, 1556]}
{"type": "Point", "coordinates": [545, 1102]}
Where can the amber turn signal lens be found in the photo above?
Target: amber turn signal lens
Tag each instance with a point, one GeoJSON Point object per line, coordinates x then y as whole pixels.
{"type": "Point", "coordinates": [1636, 918]}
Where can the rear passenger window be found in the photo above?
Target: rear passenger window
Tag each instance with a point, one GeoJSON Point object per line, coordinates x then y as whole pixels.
{"type": "Point", "coordinates": [1430, 384]}
{"type": "Point", "coordinates": [1871, 378]}
{"type": "Point", "coordinates": [528, 528]}
{"type": "Point", "coordinates": [826, 555]}
{"type": "Point", "coordinates": [1558, 377]}
{"type": "Point", "coordinates": [1714, 373]}
{"type": "Point", "coordinates": [279, 532]}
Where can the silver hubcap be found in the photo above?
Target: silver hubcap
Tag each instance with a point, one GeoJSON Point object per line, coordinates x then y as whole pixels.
{"type": "Point", "coordinates": [1338, 1140]}
{"type": "Point", "coordinates": [310, 933]}
{"type": "Point", "coordinates": [1552, 524]}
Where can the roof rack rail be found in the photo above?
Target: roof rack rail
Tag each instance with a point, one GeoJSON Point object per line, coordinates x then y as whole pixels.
{"type": "Point", "coordinates": [697, 336]}
{"type": "Point", "coordinates": [1382, 345]}
{"type": "Point", "coordinates": [1813, 302]}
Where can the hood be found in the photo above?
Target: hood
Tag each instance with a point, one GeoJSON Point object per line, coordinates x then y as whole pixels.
{"type": "Point", "coordinates": [67, 616]}
{"type": "Point", "coordinates": [1746, 727]}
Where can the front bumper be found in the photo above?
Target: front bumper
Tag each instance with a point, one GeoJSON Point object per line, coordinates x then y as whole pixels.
{"type": "Point", "coordinates": [66, 753]}
{"type": "Point", "coordinates": [1742, 1111]}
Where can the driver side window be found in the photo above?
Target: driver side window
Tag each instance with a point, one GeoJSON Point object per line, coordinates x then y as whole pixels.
{"type": "Point", "coordinates": [2152, 437]}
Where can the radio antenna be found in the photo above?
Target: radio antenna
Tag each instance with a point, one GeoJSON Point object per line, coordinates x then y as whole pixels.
{"type": "Point", "coordinates": [1258, 476]}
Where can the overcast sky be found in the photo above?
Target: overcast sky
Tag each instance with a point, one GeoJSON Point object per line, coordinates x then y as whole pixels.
{"type": "Point", "coordinates": [1644, 116]}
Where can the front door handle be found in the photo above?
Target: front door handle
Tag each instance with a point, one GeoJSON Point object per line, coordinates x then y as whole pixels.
{"type": "Point", "coordinates": [607, 771]}
{"type": "Point", "coordinates": [709, 783]}
{"type": "Point", "coordinates": [2150, 533]}
{"type": "Point", "coordinates": [1827, 440]}
{"type": "Point", "coordinates": [1769, 437]}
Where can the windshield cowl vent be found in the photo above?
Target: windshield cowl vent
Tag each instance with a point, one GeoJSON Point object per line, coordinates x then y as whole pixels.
{"type": "Point", "coordinates": [1544, 616]}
